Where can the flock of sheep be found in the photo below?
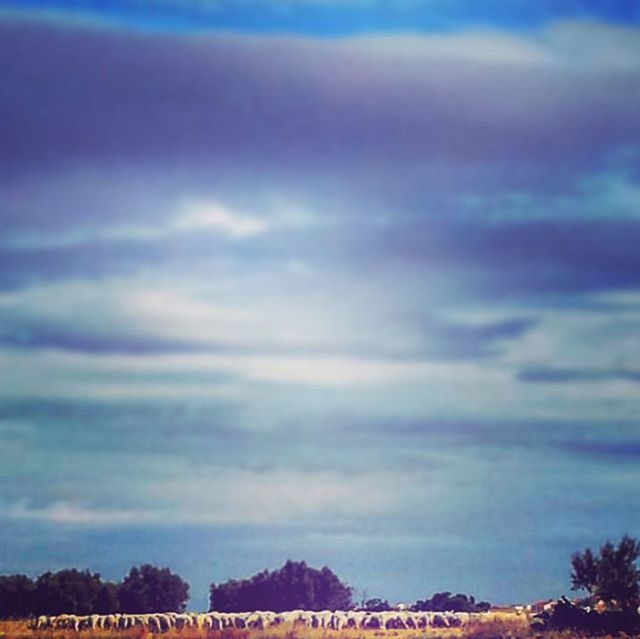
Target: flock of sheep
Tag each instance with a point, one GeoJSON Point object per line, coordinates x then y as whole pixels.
{"type": "Point", "coordinates": [162, 622]}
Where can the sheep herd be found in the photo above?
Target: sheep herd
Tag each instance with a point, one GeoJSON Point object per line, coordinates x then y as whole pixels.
{"type": "Point", "coordinates": [338, 620]}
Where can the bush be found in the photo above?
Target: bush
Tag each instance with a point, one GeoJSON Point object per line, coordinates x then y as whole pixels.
{"type": "Point", "coordinates": [565, 616]}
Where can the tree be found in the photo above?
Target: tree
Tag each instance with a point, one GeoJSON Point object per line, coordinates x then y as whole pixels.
{"type": "Point", "coordinates": [446, 602]}
{"type": "Point", "coordinates": [150, 589]}
{"type": "Point", "coordinates": [294, 586]}
{"type": "Point", "coordinates": [16, 596]}
{"type": "Point", "coordinates": [611, 575]}
{"type": "Point", "coordinates": [376, 605]}
{"type": "Point", "coordinates": [107, 601]}
{"type": "Point", "coordinates": [66, 591]}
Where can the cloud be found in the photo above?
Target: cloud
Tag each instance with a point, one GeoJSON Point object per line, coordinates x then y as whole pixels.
{"type": "Point", "coordinates": [450, 186]}
{"type": "Point", "coordinates": [203, 215]}
{"type": "Point", "coordinates": [272, 288]}
{"type": "Point", "coordinates": [568, 375]}
{"type": "Point", "coordinates": [605, 195]}
{"type": "Point", "coordinates": [620, 451]}
{"type": "Point", "coordinates": [145, 316]}
{"type": "Point", "coordinates": [240, 497]}
{"type": "Point", "coordinates": [68, 514]}
{"type": "Point", "coordinates": [528, 259]}
{"type": "Point", "coordinates": [193, 216]}
{"type": "Point", "coordinates": [337, 97]}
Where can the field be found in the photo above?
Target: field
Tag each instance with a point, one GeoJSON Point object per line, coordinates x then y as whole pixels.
{"type": "Point", "coordinates": [506, 627]}
{"type": "Point", "coordinates": [498, 626]}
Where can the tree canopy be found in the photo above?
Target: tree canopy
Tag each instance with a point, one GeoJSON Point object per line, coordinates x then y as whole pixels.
{"type": "Point", "coordinates": [16, 596]}
{"type": "Point", "coordinates": [151, 589]}
{"type": "Point", "coordinates": [66, 591]}
{"type": "Point", "coordinates": [71, 591]}
{"type": "Point", "coordinates": [376, 605]}
{"type": "Point", "coordinates": [293, 586]}
{"type": "Point", "coordinates": [445, 601]}
{"type": "Point", "coordinates": [611, 574]}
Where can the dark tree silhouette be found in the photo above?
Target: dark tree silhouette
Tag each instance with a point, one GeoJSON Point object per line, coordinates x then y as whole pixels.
{"type": "Point", "coordinates": [107, 601]}
{"type": "Point", "coordinates": [16, 596]}
{"type": "Point", "coordinates": [445, 601]}
{"type": "Point", "coordinates": [151, 589]}
{"type": "Point", "coordinates": [376, 605]}
{"type": "Point", "coordinates": [66, 591]}
{"type": "Point", "coordinates": [611, 575]}
{"type": "Point", "coordinates": [294, 586]}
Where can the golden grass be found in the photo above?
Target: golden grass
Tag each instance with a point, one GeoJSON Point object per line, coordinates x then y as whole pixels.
{"type": "Point", "coordinates": [20, 630]}
{"type": "Point", "coordinates": [497, 626]}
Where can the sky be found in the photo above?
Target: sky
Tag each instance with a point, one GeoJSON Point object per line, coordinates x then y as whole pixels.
{"type": "Point", "coordinates": [354, 283]}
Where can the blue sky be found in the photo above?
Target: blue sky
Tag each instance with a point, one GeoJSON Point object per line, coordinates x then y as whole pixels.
{"type": "Point", "coordinates": [337, 18]}
{"type": "Point", "coordinates": [320, 281]}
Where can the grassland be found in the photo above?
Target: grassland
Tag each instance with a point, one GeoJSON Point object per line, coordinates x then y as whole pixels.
{"type": "Point", "coordinates": [498, 626]}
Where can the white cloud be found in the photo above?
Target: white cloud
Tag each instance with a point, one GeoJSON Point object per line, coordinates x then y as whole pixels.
{"type": "Point", "coordinates": [187, 216]}
{"type": "Point", "coordinates": [231, 497]}
{"type": "Point", "coordinates": [279, 313]}
{"type": "Point", "coordinates": [257, 356]}
{"type": "Point", "coordinates": [581, 338]}
{"type": "Point", "coordinates": [269, 389]}
{"type": "Point", "coordinates": [73, 514]}
{"type": "Point", "coordinates": [474, 46]}
{"type": "Point", "coordinates": [212, 215]}
{"type": "Point", "coordinates": [596, 46]}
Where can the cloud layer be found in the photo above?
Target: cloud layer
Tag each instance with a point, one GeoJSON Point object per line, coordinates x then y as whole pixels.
{"type": "Point", "coordinates": [278, 294]}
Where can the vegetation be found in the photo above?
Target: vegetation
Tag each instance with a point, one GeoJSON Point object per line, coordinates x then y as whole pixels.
{"type": "Point", "coordinates": [498, 627]}
{"type": "Point", "coordinates": [151, 589]}
{"type": "Point", "coordinates": [445, 601]}
{"type": "Point", "coordinates": [144, 589]}
{"type": "Point", "coordinates": [611, 575]}
{"type": "Point", "coordinates": [68, 591]}
{"type": "Point", "coordinates": [16, 596]}
{"type": "Point", "coordinates": [566, 616]}
{"type": "Point", "coordinates": [376, 605]}
{"type": "Point", "coordinates": [294, 586]}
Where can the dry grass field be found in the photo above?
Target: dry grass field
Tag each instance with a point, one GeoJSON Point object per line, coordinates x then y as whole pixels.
{"type": "Point", "coordinates": [497, 626]}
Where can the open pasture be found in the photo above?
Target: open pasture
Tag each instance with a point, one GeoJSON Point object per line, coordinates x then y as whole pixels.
{"type": "Point", "coordinates": [492, 626]}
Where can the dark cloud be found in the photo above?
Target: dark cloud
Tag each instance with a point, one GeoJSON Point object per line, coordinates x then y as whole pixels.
{"type": "Point", "coordinates": [481, 340]}
{"type": "Point", "coordinates": [94, 260]}
{"type": "Point", "coordinates": [296, 104]}
{"type": "Point", "coordinates": [620, 450]}
{"type": "Point", "coordinates": [194, 253]}
{"type": "Point", "coordinates": [520, 259]}
{"type": "Point", "coordinates": [35, 336]}
{"type": "Point", "coordinates": [58, 428]}
{"type": "Point", "coordinates": [528, 258]}
{"type": "Point", "coordinates": [399, 137]}
{"type": "Point", "coordinates": [542, 375]}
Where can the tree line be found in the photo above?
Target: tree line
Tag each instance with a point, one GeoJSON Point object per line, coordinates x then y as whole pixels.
{"type": "Point", "coordinates": [439, 602]}
{"type": "Point", "coordinates": [145, 589]}
{"type": "Point", "coordinates": [610, 577]}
